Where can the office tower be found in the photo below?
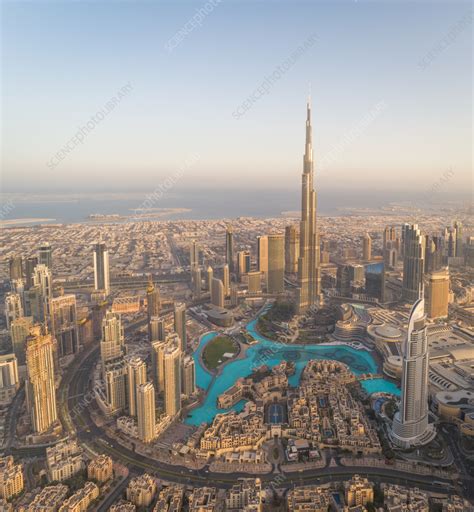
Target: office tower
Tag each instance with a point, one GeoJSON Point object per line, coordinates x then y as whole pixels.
{"type": "Point", "coordinates": [434, 256]}
{"type": "Point", "coordinates": [234, 295]}
{"type": "Point", "coordinates": [229, 248]}
{"type": "Point", "coordinates": [40, 390]}
{"type": "Point", "coordinates": [15, 267]}
{"type": "Point", "coordinates": [196, 282]}
{"type": "Point", "coordinates": [43, 279]}
{"type": "Point", "coordinates": [226, 279]}
{"type": "Point", "coordinates": [451, 239]}
{"type": "Point", "coordinates": [410, 425]}
{"type": "Point", "coordinates": [413, 262]}
{"type": "Point", "coordinates": [209, 276]}
{"type": "Point", "coordinates": [243, 263]}
{"type": "Point", "coordinates": [115, 377]}
{"type": "Point", "coordinates": [112, 344]}
{"type": "Point", "coordinates": [255, 283]}
{"type": "Point", "coordinates": [276, 263]}
{"type": "Point", "coordinates": [9, 380]}
{"type": "Point", "coordinates": [217, 292]}
{"type": "Point", "coordinates": [390, 253]}
{"type": "Point", "coordinates": [459, 244]}
{"type": "Point", "coordinates": [437, 296]}
{"type": "Point", "coordinates": [64, 324]}
{"type": "Point", "coordinates": [101, 267]}
{"type": "Point", "coordinates": [194, 254]}
{"type": "Point", "coordinates": [19, 332]}
{"type": "Point", "coordinates": [172, 385]}
{"type": "Point", "coordinates": [157, 329]}
{"type": "Point", "coordinates": [13, 308]}
{"type": "Point", "coordinates": [179, 315]}
{"type": "Point", "coordinates": [367, 247]}
{"type": "Point", "coordinates": [34, 304]}
{"type": "Point", "coordinates": [30, 265]}
{"type": "Point", "coordinates": [45, 255]}
{"type": "Point", "coordinates": [152, 300]}
{"type": "Point", "coordinates": [136, 375]}
{"type": "Point", "coordinates": [146, 416]}
{"type": "Point", "coordinates": [188, 376]}
{"type": "Point", "coordinates": [262, 254]}
{"type": "Point", "coordinates": [348, 277]}
{"type": "Point", "coordinates": [470, 252]}
{"type": "Point", "coordinates": [309, 274]}
{"type": "Point", "coordinates": [292, 249]}
{"type": "Point", "coordinates": [375, 280]}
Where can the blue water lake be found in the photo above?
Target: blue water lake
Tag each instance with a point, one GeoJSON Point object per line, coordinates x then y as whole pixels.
{"type": "Point", "coordinates": [272, 353]}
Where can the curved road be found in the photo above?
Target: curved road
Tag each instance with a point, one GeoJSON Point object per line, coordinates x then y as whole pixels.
{"type": "Point", "coordinates": [75, 387]}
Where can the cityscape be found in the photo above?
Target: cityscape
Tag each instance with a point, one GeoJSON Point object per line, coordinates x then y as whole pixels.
{"type": "Point", "coordinates": [157, 359]}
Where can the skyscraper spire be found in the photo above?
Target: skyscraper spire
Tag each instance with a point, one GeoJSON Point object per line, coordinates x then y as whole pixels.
{"type": "Point", "coordinates": [309, 278]}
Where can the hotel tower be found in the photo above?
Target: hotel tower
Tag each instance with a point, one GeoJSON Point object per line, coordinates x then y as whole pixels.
{"type": "Point", "coordinates": [309, 274]}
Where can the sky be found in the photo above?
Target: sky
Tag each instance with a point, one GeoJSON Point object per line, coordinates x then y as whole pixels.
{"type": "Point", "coordinates": [121, 95]}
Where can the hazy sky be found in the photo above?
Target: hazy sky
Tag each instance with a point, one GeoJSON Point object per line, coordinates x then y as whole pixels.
{"type": "Point", "coordinates": [391, 86]}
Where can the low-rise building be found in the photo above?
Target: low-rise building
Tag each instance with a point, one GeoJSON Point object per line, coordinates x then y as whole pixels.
{"type": "Point", "coordinates": [81, 499]}
{"type": "Point", "coordinates": [64, 460]}
{"type": "Point", "coordinates": [358, 491]}
{"type": "Point", "coordinates": [203, 499]}
{"type": "Point", "coordinates": [100, 469]}
{"type": "Point", "coordinates": [245, 495]}
{"type": "Point", "coordinates": [170, 499]}
{"type": "Point", "coordinates": [48, 500]}
{"type": "Point", "coordinates": [141, 490]}
{"type": "Point", "coordinates": [11, 478]}
{"type": "Point", "coordinates": [309, 498]}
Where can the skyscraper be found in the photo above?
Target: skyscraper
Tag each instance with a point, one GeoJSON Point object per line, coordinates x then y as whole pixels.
{"type": "Point", "coordinates": [115, 377]}
{"type": "Point", "coordinates": [459, 243]}
{"type": "Point", "coordinates": [157, 329]}
{"type": "Point", "coordinates": [15, 267]}
{"type": "Point", "coordinates": [146, 415]}
{"type": "Point", "coordinates": [194, 254]}
{"type": "Point", "coordinates": [226, 279]}
{"type": "Point", "coordinates": [136, 375]}
{"type": "Point", "coordinates": [196, 282]}
{"type": "Point", "coordinates": [45, 255]}
{"type": "Point", "coordinates": [243, 263]}
{"type": "Point", "coordinates": [413, 262]}
{"type": "Point", "coordinates": [101, 268]}
{"type": "Point", "coordinates": [172, 371]}
{"type": "Point", "coordinates": [390, 249]}
{"type": "Point", "coordinates": [229, 248]}
{"type": "Point", "coordinates": [217, 292]}
{"type": "Point", "coordinates": [152, 303]}
{"type": "Point", "coordinates": [437, 296]}
{"type": "Point", "coordinates": [19, 332]}
{"type": "Point", "coordinates": [262, 254]}
{"type": "Point", "coordinates": [255, 283]}
{"type": "Point", "coordinates": [276, 263]}
{"type": "Point", "coordinates": [367, 247]}
{"type": "Point", "coordinates": [188, 376]}
{"type": "Point", "coordinates": [43, 279]}
{"type": "Point", "coordinates": [179, 315]}
{"type": "Point", "coordinates": [13, 308]}
{"type": "Point", "coordinates": [410, 425]}
{"type": "Point", "coordinates": [309, 274]}
{"type": "Point", "coordinates": [292, 249]}
{"type": "Point", "coordinates": [112, 345]}
{"type": "Point", "coordinates": [64, 324]}
{"type": "Point", "coordinates": [30, 265]}
{"type": "Point", "coordinates": [40, 390]}
{"type": "Point", "coordinates": [209, 277]}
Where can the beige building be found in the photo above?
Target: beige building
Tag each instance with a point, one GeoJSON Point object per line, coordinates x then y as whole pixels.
{"type": "Point", "coordinates": [11, 478]}
{"type": "Point", "coordinates": [19, 332]}
{"type": "Point", "coordinates": [48, 500]}
{"type": "Point", "coordinates": [40, 388]}
{"type": "Point", "coordinates": [358, 492]}
{"type": "Point", "coordinates": [367, 247]}
{"type": "Point", "coordinates": [112, 345]}
{"type": "Point", "coordinates": [188, 376]}
{"type": "Point", "coordinates": [146, 416]}
{"type": "Point", "coordinates": [9, 380]}
{"type": "Point", "coordinates": [262, 254]}
{"type": "Point", "coordinates": [172, 377]}
{"type": "Point", "coordinates": [437, 294]}
{"type": "Point", "coordinates": [136, 375]}
{"type": "Point", "coordinates": [81, 499]}
{"type": "Point", "coordinates": [310, 498]}
{"type": "Point", "coordinates": [63, 460]}
{"type": "Point", "coordinates": [276, 263]}
{"type": "Point", "coordinates": [292, 249]}
{"type": "Point", "coordinates": [203, 499]}
{"type": "Point", "coordinates": [100, 469]}
{"type": "Point", "coordinates": [115, 377]}
{"type": "Point", "coordinates": [141, 490]}
{"type": "Point", "coordinates": [255, 283]}
{"type": "Point", "coordinates": [217, 292]}
{"type": "Point", "coordinates": [246, 494]}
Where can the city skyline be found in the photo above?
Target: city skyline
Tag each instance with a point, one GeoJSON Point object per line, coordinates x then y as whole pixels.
{"type": "Point", "coordinates": [369, 125]}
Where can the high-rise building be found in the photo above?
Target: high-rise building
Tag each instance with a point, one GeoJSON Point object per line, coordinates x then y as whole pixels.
{"type": "Point", "coordinates": [45, 255]}
{"type": "Point", "coordinates": [217, 292]}
{"type": "Point", "coordinates": [410, 425]}
{"type": "Point", "coordinates": [209, 277]}
{"type": "Point", "coordinates": [276, 263]}
{"type": "Point", "coordinates": [367, 247]}
{"type": "Point", "coordinates": [19, 332]}
{"type": "Point", "coordinates": [101, 268]}
{"type": "Point", "coordinates": [179, 315]}
{"type": "Point", "coordinates": [40, 390]}
{"type": "Point", "coordinates": [226, 279]}
{"type": "Point", "coordinates": [64, 324]}
{"type": "Point", "coordinates": [390, 246]}
{"type": "Point", "coordinates": [43, 279]}
{"type": "Point", "coordinates": [262, 254]}
{"type": "Point", "coordinates": [229, 248]}
{"type": "Point", "coordinates": [34, 304]}
{"type": "Point", "coordinates": [243, 263]}
{"type": "Point", "coordinates": [188, 376]}
{"type": "Point", "coordinates": [9, 380]}
{"type": "Point", "coordinates": [194, 254]}
{"type": "Point", "coordinates": [375, 280]}
{"type": "Point", "coordinates": [157, 329]}
{"type": "Point", "coordinates": [309, 274]}
{"type": "Point", "coordinates": [292, 249]}
{"type": "Point", "coordinates": [459, 242]}
{"type": "Point", "coordinates": [146, 415]}
{"type": "Point", "coordinates": [30, 265]}
{"type": "Point", "coordinates": [437, 296]}
{"type": "Point", "coordinates": [115, 377]}
{"type": "Point", "coordinates": [434, 253]}
{"type": "Point", "coordinates": [13, 308]}
{"type": "Point", "coordinates": [112, 345]}
{"type": "Point", "coordinates": [172, 370]}
{"type": "Point", "coordinates": [15, 267]}
{"type": "Point", "coordinates": [348, 277]}
{"type": "Point", "coordinates": [196, 279]}
{"type": "Point", "coordinates": [413, 262]}
{"type": "Point", "coordinates": [136, 375]}
{"type": "Point", "coordinates": [255, 283]}
{"type": "Point", "coordinates": [470, 252]}
{"type": "Point", "coordinates": [152, 303]}
{"type": "Point", "coordinates": [158, 359]}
